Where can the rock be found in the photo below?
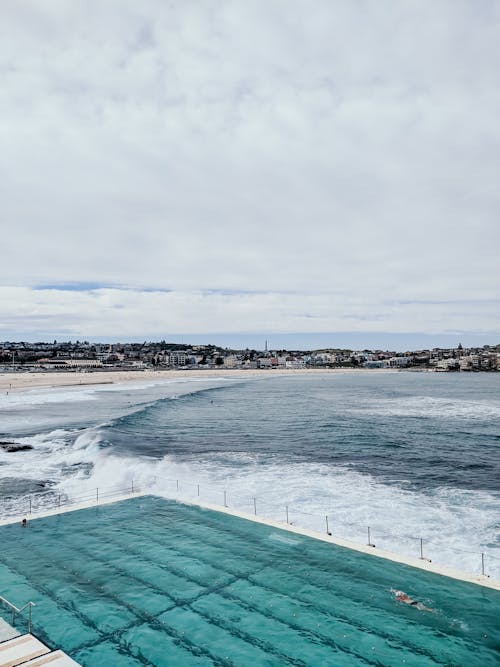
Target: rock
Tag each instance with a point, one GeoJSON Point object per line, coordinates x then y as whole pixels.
{"type": "Point", "coordinates": [14, 447]}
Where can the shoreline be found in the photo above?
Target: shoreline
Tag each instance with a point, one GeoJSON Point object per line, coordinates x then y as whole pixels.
{"type": "Point", "coordinates": [18, 381]}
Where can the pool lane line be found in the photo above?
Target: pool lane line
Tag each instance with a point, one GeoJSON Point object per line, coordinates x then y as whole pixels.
{"type": "Point", "coordinates": [148, 584]}
{"type": "Point", "coordinates": [142, 617]}
{"type": "Point", "coordinates": [150, 619]}
{"type": "Point", "coordinates": [427, 566]}
{"type": "Point", "coordinates": [219, 589]}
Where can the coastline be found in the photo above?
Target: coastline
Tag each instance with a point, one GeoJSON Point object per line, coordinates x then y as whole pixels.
{"type": "Point", "coordinates": [19, 381]}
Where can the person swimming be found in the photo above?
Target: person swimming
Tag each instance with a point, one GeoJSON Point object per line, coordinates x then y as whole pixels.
{"type": "Point", "coordinates": [401, 596]}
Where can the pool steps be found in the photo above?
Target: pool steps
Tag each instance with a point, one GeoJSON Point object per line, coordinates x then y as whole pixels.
{"type": "Point", "coordinates": [420, 563]}
{"type": "Point", "coordinates": [28, 651]}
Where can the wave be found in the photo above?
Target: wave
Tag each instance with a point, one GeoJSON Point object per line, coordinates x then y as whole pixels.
{"type": "Point", "coordinates": [426, 406]}
{"type": "Point", "coordinates": [55, 455]}
{"type": "Point", "coordinates": [74, 393]}
{"type": "Point", "coordinates": [43, 396]}
{"type": "Point", "coordinates": [455, 525]}
{"type": "Point", "coordinates": [148, 411]}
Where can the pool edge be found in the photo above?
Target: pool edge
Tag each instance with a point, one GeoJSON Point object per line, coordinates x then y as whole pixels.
{"type": "Point", "coordinates": [421, 564]}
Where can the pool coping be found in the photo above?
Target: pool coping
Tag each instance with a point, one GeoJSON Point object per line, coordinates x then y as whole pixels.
{"type": "Point", "coordinates": [421, 564]}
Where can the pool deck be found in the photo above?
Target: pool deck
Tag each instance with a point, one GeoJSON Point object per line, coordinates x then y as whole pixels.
{"type": "Point", "coordinates": [422, 564]}
{"type": "Point", "coordinates": [28, 651]}
{"type": "Point", "coordinates": [7, 631]}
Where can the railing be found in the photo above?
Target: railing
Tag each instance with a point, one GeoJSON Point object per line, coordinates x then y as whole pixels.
{"type": "Point", "coordinates": [16, 611]}
{"type": "Point", "coordinates": [332, 524]}
{"type": "Point", "coordinates": [16, 506]}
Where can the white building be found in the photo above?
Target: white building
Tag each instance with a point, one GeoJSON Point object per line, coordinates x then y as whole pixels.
{"type": "Point", "coordinates": [177, 358]}
{"type": "Point", "coordinates": [398, 362]}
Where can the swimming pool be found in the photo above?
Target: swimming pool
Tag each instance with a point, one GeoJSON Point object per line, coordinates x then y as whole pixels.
{"type": "Point", "coordinates": [149, 581]}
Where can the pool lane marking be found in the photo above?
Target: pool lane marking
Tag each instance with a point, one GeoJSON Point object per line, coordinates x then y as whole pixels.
{"type": "Point", "coordinates": [142, 617]}
{"type": "Point", "coordinates": [141, 536]}
{"type": "Point", "coordinates": [427, 566]}
{"type": "Point", "coordinates": [217, 589]}
{"type": "Point", "coordinates": [355, 623]}
{"type": "Point", "coordinates": [127, 574]}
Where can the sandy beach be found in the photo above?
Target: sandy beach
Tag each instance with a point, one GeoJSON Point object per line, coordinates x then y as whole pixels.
{"type": "Point", "coordinates": [26, 381]}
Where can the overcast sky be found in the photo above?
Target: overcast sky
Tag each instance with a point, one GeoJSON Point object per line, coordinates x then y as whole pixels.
{"type": "Point", "coordinates": [255, 167]}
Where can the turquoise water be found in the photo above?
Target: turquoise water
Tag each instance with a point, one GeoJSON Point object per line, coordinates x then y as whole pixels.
{"type": "Point", "coordinates": [153, 582]}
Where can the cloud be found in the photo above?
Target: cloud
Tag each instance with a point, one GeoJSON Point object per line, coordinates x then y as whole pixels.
{"type": "Point", "coordinates": [126, 313]}
{"type": "Point", "coordinates": [333, 158]}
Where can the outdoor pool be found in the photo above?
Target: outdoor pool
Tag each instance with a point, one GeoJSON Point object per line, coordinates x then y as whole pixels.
{"type": "Point", "coordinates": [149, 581]}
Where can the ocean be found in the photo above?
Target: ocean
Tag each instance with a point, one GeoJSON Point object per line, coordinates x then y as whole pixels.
{"type": "Point", "coordinates": [409, 455]}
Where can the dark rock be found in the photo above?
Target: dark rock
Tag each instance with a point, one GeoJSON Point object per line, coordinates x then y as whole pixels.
{"type": "Point", "coordinates": [14, 447]}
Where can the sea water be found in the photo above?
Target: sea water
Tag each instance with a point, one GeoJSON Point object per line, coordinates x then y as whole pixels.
{"type": "Point", "coordinates": [408, 455]}
{"type": "Point", "coordinates": [150, 581]}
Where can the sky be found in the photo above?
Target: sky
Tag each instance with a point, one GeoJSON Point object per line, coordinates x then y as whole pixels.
{"type": "Point", "coordinates": [253, 169]}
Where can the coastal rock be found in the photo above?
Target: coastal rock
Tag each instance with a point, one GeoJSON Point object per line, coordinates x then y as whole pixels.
{"type": "Point", "coordinates": [14, 447]}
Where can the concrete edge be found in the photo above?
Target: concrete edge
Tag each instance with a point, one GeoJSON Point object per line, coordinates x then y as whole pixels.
{"type": "Point", "coordinates": [426, 565]}
{"type": "Point", "coordinates": [103, 500]}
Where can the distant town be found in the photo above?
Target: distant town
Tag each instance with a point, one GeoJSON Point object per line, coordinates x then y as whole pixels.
{"type": "Point", "coordinates": [90, 357]}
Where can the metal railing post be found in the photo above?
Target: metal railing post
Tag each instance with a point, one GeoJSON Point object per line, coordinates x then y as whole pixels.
{"type": "Point", "coordinates": [198, 486]}
{"type": "Point", "coordinates": [327, 527]}
{"type": "Point", "coordinates": [177, 483]}
{"type": "Point", "coordinates": [482, 563]}
{"type": "Point", "coordinates": [286, 508]}
{"type": "Point", "coordinates": [132, 486]}
{"type": "Point", "coordinates": [370, 544]}
{"type": "Point", "coordinates": [16, 610]}
{"type": "Point", "coordinates": [255, 506]}
{"type": "Point", "coordinates": [97, 496]}
{"type": "Point", "coordinates": [59, 501]}
{"type": "Point", "coordinates": [421, 549]}
{"type": "Point", "coordinates": [30, 504]}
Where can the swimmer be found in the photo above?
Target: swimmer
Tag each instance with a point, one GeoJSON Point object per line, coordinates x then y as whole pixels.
{"type": "Point", "coordinates": [401, 596]}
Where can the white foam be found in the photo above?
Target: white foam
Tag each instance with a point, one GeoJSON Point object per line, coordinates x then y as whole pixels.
{"type": "Point", "coordinates": [43, 396]}
{"type": "Point", "coordinates": [429, 406]}
{"type": "Point", "coordinates": [456, 526]}
{"type": "Point", "coordinates": [283, 539]}
{"type": "Point", "coordinates": [74, 393]}
{"type": "Point", "coordinates": [53, 455]}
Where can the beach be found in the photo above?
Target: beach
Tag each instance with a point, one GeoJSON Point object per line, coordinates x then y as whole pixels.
{"type": "Point", "coordinates": [18, 381]}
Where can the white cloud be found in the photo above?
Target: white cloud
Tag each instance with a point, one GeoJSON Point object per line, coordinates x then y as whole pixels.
{"type": "Point", "coordinates": [334, 158]}
{"type": "Point", "coordinates": [130, 313]}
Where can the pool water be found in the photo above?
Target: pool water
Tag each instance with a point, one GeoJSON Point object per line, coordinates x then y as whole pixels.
{"type": "Point", "coordinates": [149, 581]}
